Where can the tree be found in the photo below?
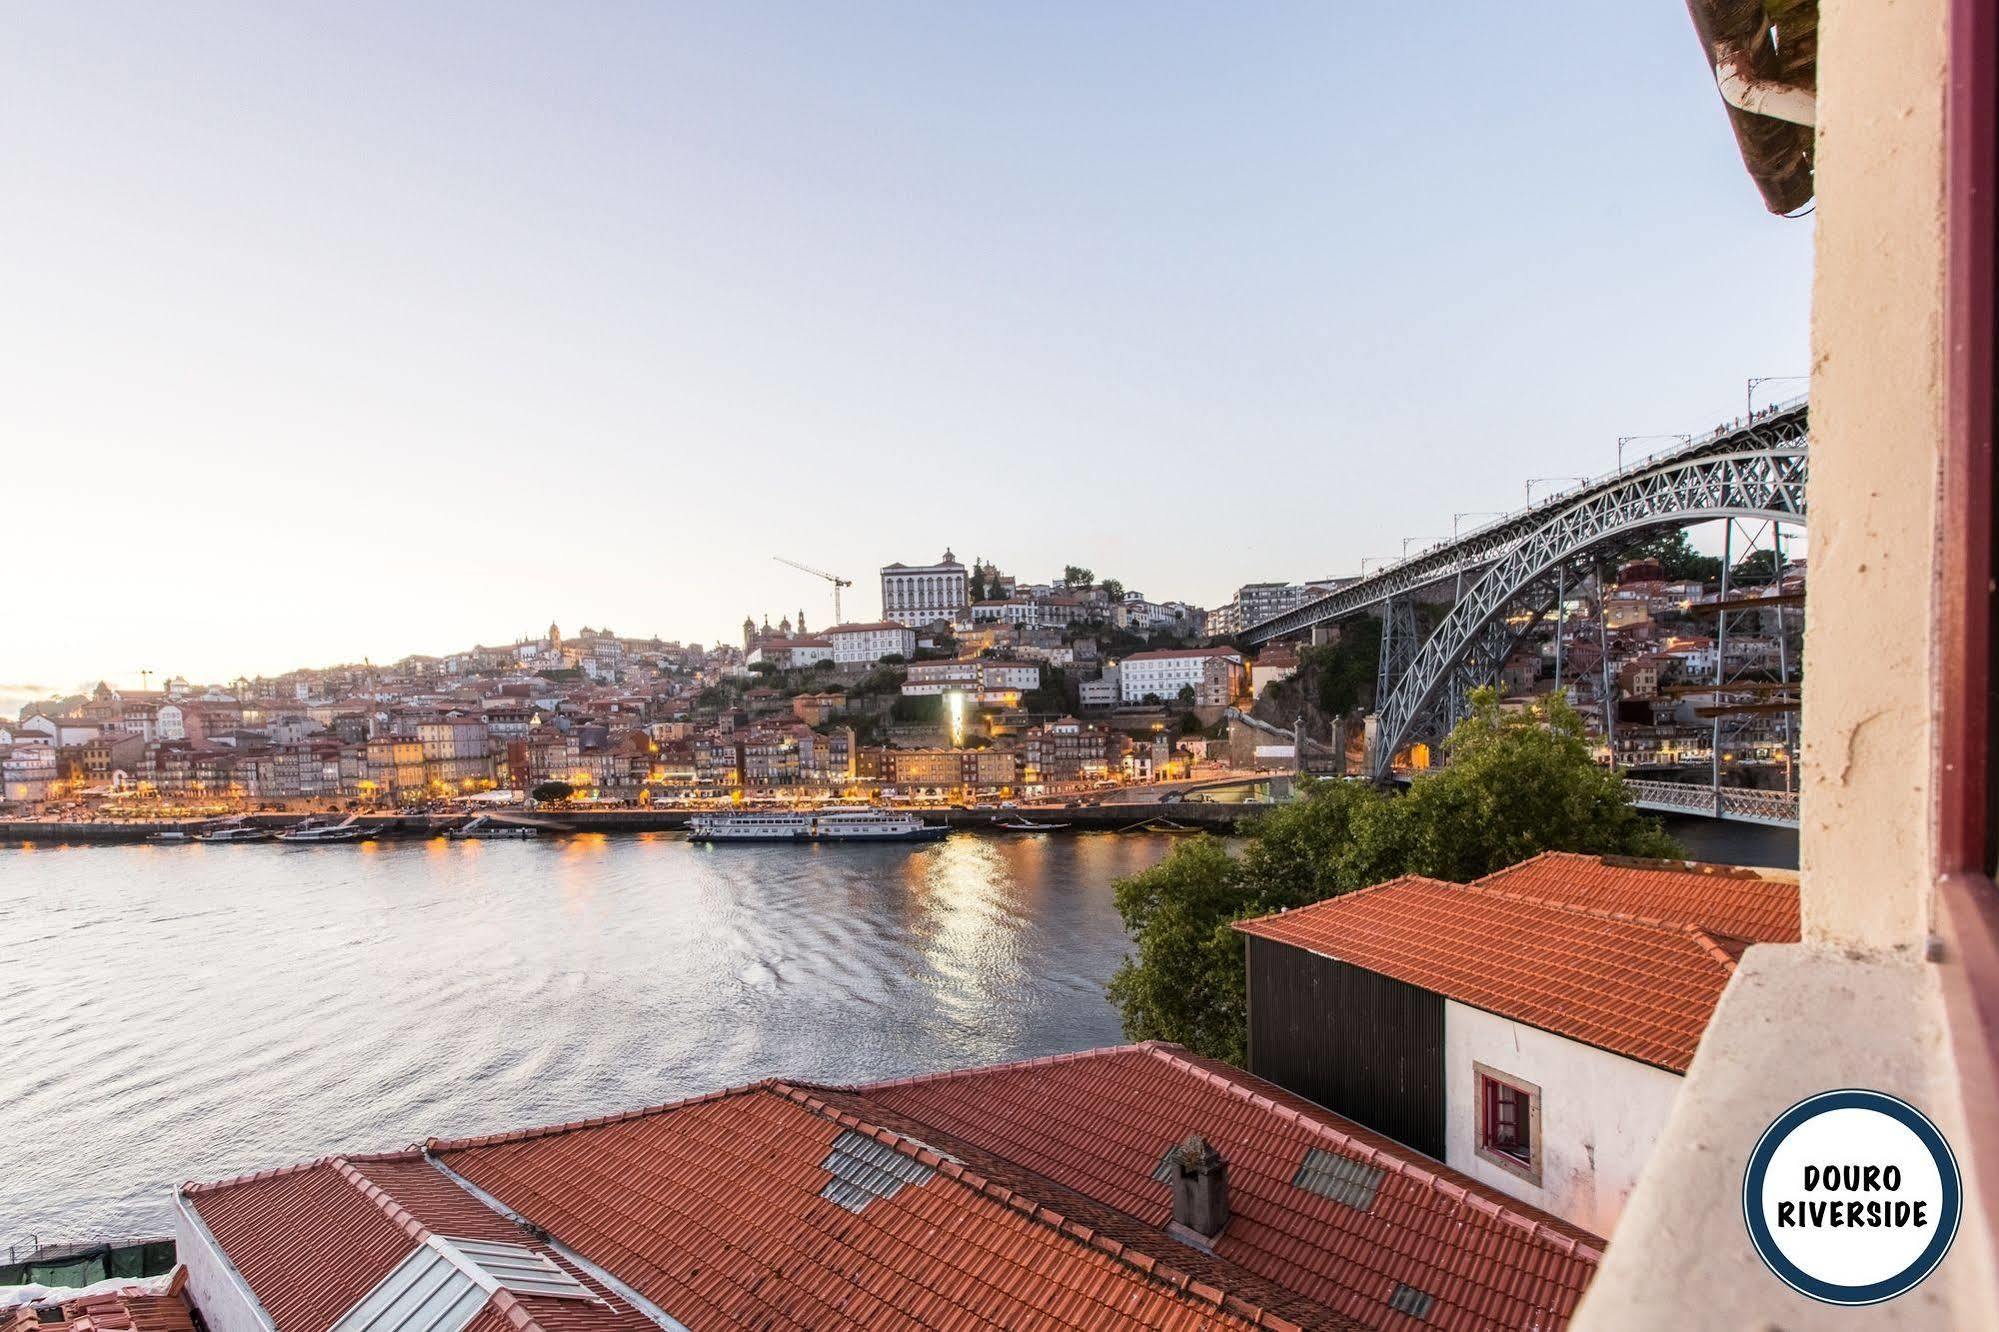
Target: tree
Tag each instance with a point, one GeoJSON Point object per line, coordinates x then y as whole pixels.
{"type": "Point", "coordinates": [552, 792]}
{"type": "Point", "coordinates": [1346, 670]}
{"type": "Point", "coordinates": [1677, 556]}
{"type": "Point", "coordinates": [1187, 695]}
{"type": "Point", "coordinates": [1075, 575]}
{"type": "Point", "coordinates": [1754, 569]}
{"type": "Point", "coordinates": [763, 668]}
{"type": "Point", "coordinates": [1114, 589]}
{"type": "Point", "coordinates": [1517, 784]}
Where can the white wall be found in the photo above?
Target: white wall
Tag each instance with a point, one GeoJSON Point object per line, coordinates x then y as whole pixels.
{"type": "Point", "coordinates": [1600, 1114]}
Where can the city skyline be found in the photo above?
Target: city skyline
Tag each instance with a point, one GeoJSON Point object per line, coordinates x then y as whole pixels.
{"type": "Point", "coordinates": [325, 343]}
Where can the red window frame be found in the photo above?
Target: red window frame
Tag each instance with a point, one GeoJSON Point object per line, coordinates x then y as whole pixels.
{"type": "Point", "coordinates": [1506, 1119]}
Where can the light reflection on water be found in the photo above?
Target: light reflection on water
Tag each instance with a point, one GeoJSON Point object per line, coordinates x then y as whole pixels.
{"type": "Point", "coordinates": [190, 1012]}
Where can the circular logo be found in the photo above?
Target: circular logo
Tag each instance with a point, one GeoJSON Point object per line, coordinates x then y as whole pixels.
{"type": "Point", "coordinates": [1852, 1196]}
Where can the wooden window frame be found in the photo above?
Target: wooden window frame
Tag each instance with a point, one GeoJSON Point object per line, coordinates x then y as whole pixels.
{"type": "Point", "coordinates": [1966, 823]}
{"type": "Point", "coordinates": [1530, 1169]}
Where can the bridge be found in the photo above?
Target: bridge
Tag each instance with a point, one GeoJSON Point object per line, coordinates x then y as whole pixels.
{"type": "Point", "coordinates": [1501, 579]}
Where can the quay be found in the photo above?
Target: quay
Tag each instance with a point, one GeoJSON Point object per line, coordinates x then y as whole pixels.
{"type": "Point", "coordinates": [1187, 816]}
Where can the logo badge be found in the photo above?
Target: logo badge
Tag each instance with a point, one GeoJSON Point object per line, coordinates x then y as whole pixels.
{"type": "Point", "coordinates": [1852, 1197]}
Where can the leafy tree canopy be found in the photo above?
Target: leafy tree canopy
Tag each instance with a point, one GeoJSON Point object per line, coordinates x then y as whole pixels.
{"type": "Point", "coordinates": [1518, 784]}
{"type": "Point", "coordinates": [1075, 575]}
{"type": "Point", "coordinates": [1677, 556]}
{"type": "Point", "coordinates": [549, 792]}
{"type": "Point", "coordinates": [1114, 589]}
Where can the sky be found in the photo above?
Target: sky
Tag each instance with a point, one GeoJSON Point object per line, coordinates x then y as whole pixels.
{"type": "Point", "coordinates": [345, 330]}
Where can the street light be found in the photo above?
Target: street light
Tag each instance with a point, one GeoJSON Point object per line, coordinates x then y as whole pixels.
{"type": "Point", "coordinates": [1407, 540]}
{"type": "Point", "coordinates": [1749, 388]}
{"type": "Point", "coordinates": [1378, 559]}
{"type": "Point", "coordinates": [1623, 440]}
{"type": "Point", "coordinates": [1534, 481]}
{"type": "Point", "coordinates": [1457, 518]}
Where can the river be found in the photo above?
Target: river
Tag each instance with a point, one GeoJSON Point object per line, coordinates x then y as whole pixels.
{"type": "Point", "coordinates": [192, 1012]}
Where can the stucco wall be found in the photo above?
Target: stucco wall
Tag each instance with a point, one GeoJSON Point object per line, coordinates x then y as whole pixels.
{"type": "Point", "coordinates": [1600, 1114]}
{"type": "Point", "coordinates": [1877, 423]}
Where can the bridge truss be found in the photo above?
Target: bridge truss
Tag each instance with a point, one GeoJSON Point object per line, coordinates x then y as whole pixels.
{"type": "Point", "coordinates": [1502, 579]}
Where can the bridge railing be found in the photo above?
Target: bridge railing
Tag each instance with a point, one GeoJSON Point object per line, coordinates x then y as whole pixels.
{"type": "Point", "coordinates": [1736, 802]}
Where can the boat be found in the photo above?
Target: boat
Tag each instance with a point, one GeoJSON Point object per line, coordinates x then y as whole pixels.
{"type": "Point", "coordinates": [235, 832]}
{"type": "Point", "coordinates": [1160, 825]}
{"type": "Point", "coordinates": [484, 829]}
{"type": "Point", "coordinates": [830, 825]}
{"type": "Point", "coordinates": [1018, 824]}
{"type": "Point", "coordinates": [348, 829]}
{"type": "Point", "coordinates": [171, 835]}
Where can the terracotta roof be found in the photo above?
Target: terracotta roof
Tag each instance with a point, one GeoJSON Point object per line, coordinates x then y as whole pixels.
{"type": "Point", "coordinates": [1746, 904]}
{"type": "Point", "coordinates": [1099, 1122]}
{"type": "Point", "coordinates": [1160, 654]}
{"type": "Point", "coordinates": [313, 1239]}
{"type": "Point", "coordinates": [132, 1310]}
{"type": "Point", "coordinates": [1635, 987]}
{"type": "Point", "coordinates": [726, 1211]}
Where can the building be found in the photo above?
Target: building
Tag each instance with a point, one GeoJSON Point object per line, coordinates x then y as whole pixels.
{"type": "Point", "coordinates": [1069, 750]}
{"type": "Point", "coordinates": [1217, 675]}
{"type": "Point", "coordinates": [1139, 1187]}
{"type": "Point", "coordinates": [917, 595]}
{"type": "Point", "coordinates": [1531, 1029]}
{"type": "Point", "coordinates": [866, 644]}
{"type": "Point", "coordinates": [1277, 661]}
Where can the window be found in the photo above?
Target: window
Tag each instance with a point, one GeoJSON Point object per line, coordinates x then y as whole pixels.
{"type": "Point", "coordinates": [1508, 1131]}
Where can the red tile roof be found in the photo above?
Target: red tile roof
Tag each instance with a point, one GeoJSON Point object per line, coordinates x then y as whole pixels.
{"type": "Point", "coordinates": [714, 1209]}
{"type": "Point", "coordinates": [1099, 1122]}
{"type": "Point", "coordinates": [113, 1311]}
{"type": "Point", "coordinates": [1021, 1195]}
{"type": "Point", "coordinates": [1636, 987]}
{"type": "Point", "coordinates": [1744, 904]}
{"type": "Point", "coordinates": [311, 1240]}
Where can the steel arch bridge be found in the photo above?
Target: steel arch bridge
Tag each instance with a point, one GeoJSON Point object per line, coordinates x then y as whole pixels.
{"type": "Point", "coordinates": [1508, 574]}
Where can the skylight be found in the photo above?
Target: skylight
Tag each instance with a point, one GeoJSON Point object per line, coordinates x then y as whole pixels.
{"type": "Point", "coordinates": [864, 1170]}
{"type": "Point", "coordinates": [443, 1284]}
{"type": "Point", "coordinates": [1341, 1178]}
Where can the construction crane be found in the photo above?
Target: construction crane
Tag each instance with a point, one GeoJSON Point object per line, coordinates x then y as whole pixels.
{"type": "Point", "coordinates": [835, 579]}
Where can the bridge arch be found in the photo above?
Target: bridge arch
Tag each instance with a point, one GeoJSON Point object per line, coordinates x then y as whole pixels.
{"type": "Point", "coordinates": [1766, 482]}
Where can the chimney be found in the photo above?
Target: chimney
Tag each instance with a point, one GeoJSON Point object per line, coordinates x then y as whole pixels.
{"type": "Point", "coordinates": [1200, 1187]}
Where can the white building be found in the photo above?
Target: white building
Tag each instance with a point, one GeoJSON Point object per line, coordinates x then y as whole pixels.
{"type": "Point", "coordinates": [1215, 674]}
{"type": "Point", "coordinates": [866, 644]}
{"type": "Point", "coordinates": [918, 594]}
{"type": "Point", "coordinates": [1531, 1029]}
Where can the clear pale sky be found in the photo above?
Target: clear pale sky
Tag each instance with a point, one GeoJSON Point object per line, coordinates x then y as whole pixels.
{"type": "Point", "coordinates": [351, 329]}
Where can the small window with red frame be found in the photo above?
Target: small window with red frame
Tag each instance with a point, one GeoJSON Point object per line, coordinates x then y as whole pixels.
{"type": "Point", "coordinates": [1506, 1124]}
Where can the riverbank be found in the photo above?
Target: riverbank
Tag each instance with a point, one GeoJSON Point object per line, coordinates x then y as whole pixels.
{"type": "Point", "coordinates": [1166, 818]}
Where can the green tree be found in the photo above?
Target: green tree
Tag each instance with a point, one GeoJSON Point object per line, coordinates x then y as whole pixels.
{"type": "Point", "coordinates": [1755, 569]}
{"type": "Point", "coordinates": [1517, 784]}
{"type": "Point", "coordinates": [1342, 674]}
{"type": "Point", "coordinates": [1677, 556]}
{"type": "Point", "coordinates": [1075, 575]}
{"type": "Point", "coordinates": [1186, 695]}
{"type": "Point", "coordinates": [551, 792]}
{"type": "Point", "coordinates": [1114, 589]}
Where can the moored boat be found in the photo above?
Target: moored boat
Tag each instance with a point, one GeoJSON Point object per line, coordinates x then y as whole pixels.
{"type": "Point", "coordinates": [486, 830]}
{"type": "Point", "coordinates": [831, 825]}
{"type": "Point", "coordinates": [348, 829]}
{"type": "Point", "coordinates": [235, 832]}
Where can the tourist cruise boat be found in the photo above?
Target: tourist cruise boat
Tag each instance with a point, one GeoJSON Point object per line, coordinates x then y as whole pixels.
{"type": "Point", "coordinates": [348, 829]}
{"type": "Point", "coordinates": [829, 825]}
{"type": "Point", "coordinates": [235, 832]}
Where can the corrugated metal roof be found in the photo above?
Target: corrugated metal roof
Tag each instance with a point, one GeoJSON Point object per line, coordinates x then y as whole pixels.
{"type": "Point", "coordinates": [426, 1290]}
{"type": "Point", "coordinates": [444, 1282]}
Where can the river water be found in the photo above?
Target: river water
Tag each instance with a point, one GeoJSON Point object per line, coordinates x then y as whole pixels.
{"type": "Point", "coordinates": [191, 1012]}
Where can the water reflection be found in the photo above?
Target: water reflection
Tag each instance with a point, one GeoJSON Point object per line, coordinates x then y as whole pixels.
{"type": "Point", "coordinates": [253, 1005]}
